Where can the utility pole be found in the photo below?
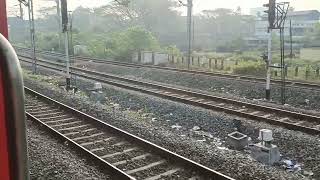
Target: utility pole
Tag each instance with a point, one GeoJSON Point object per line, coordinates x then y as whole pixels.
{"type": "Point", "coordinates": [190, 6]}
{"type": "Point", "coordinates": [32, 36]}
{"type": "Point", "coordinates": [291, 51]}
{"type": "Point", "coordinates": [269, 70]}
{"type": "Point", "coordinates": [21, 10]}
{"type": "Point", "coordinates": [193, 41]}
{"type": "Point", "coordinates": [64, 15]}
{"type": "Point", "coordinates": [271, 19]}
{"type": "Point", "coordinates": [277, 14]}
{"type": "Point", "coordinates": [59, 23]}
{"type": "Point", "coordinates": [71, 33]}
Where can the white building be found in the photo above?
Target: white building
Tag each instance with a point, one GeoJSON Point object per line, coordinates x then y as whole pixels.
{"type": "Point", "coordinates": [302, 22]}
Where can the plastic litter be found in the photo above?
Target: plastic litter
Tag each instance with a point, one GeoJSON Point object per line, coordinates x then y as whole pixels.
{"type": "Point", "coordinates": [291, 166]}
{"type": "Point", "coordinates": [196, 128]}
{"type": "Point", "coordinates": [176, 126]}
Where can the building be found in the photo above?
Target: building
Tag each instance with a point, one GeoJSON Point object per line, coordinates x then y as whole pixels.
{"type": "Point", "coordinates": [301, 21]}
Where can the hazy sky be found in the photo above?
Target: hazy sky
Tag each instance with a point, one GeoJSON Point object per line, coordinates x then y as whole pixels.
{"type": "Point", "coordinates": [199, 5]}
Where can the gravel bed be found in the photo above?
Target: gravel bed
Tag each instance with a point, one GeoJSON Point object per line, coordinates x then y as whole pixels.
{"type": "Point", "coordinates": [51, 159]}
{"type": "Point", "coordinates": [302, 108]}
{"type": "Point", "coordinates": [169, 124]}
{"type": "Point", "coordinates": [233, 88]}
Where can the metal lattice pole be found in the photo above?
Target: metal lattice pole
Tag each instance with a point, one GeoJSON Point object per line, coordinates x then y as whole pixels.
{"type": "Point", "coordinates": [32, 35]}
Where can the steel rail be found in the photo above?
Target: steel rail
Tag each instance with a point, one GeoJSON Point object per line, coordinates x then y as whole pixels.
{"type": "Point", "coordinates": [285, 118]}
{"type": "Point", "coordinates": [301, 84]}
{"type": "Point", "coordinates": [180, 161]}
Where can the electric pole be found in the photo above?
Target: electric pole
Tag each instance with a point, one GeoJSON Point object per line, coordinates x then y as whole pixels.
{"type": "Point", "coordinates": [59, 23]}
{"type": "Point", "coordinates": [32, 36]}
{"type": "Point", "coordinates": [277, 13]}
{"type": "Point", "coordinates": [21, 10]}
{"type": "Point", "coordinates": [190, 5]}
{"type": "Point", "coordinates": [29, 4]}
{"type": "Point", "coordinates": [271, 18]}
{"type": "Point", "coordinates": [64, 15]}
{"type": "Point", "coordinates": [291, 51]}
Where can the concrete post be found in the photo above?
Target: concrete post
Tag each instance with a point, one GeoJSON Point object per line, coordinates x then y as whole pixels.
{"type": "Point", "coordinates": [153, 58]}
{"type": "Point", "coordinates": [216, 63]}
{"type": "Point", "coordinates": [296, 71]}
{"type": "Point", "coordinates": [199, 61]}
{"type": "Point", "coordinates": [307, 73]}
{"type": "Point", "coordinates": [139, 56]}
{"type": "Point", "coordinates": [286, 70]}
{"type": "Point", "coordinates": [222, 64]}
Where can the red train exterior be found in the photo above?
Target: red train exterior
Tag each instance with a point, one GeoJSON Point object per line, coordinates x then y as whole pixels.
{"type": "Point", "coordinates": [13, 146]}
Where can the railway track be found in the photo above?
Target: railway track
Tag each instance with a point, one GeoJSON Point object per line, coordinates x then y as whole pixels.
{"type": "Point", "coordinates": [300, 84]}
{"type": "Point", "coordinates": [126, 156]}
{"type": "Point", "coordinates": [292, 120]}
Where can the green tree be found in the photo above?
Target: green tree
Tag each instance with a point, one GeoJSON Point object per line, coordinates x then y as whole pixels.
{"type": "Point", "coordinates": [47, 41]}
{"type": "Point", "coordinates": [123, 45]}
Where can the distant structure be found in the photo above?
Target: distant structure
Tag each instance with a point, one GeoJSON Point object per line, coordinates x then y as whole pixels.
{"type": "Point", "coordinates": [302, 22]}
{"type": "Point", "coordinates": [258, 12]}
{"type": "Point", "coordinates": [19, 28]}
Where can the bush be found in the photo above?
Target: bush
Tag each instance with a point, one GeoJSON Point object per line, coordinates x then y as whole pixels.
{"type": "Point", "coordinates": [123, 45]}
{"type": "Point", "coordinates": [250, 68]}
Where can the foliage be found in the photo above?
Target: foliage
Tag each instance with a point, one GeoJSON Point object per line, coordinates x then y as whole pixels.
{"type": "Point", "coordinates": [157, 15]}
{"type": "Point", "coordinates": [250, 68]}
{"type": "Point", "coordinates": [172, 50]}
{"type": "Point", "coordinates": [47, 41]}
{"type": "Point", "coordinates": [226, 26]}
{"type": "Point", "coordinates": [234, 45]}
{"type": "Point", "coordinates": [123, 45]}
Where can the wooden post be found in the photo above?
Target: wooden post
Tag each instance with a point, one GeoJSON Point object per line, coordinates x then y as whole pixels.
{"type": "Point", "coordinates": [275, 73]}
{"type": "Point", "coordinates": [296, 71]}
{"type": "Point", "coordinates": [210, 63]}
{"type": "Point", "coordinates": [317, 71]}
{"type": "Point", "coordinates": [192, 59]}
{"type": "Point", "coordinates": [199, 61]}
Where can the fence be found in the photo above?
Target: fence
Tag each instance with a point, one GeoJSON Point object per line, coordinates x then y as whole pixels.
{"type": "Point", "coordinates": [148, 57]}
{"type": "Point", "coordinates": [221, 64]}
